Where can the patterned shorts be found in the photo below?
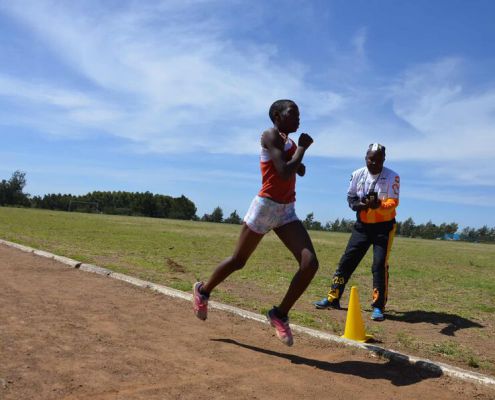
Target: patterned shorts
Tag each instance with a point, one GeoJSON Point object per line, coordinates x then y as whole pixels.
{"type": "Point", "coordinates": [265, 214]}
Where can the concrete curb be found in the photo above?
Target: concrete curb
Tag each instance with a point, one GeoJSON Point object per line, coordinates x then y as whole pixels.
{"type": "Point", "coordinates": [435, 368]}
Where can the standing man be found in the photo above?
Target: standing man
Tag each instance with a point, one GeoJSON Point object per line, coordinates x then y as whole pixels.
{"type": "Point", "coordinates": [374, 195]}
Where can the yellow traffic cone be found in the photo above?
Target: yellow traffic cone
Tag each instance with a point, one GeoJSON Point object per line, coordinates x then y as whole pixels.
{"type": "Point", "coordinates": [354, 326]}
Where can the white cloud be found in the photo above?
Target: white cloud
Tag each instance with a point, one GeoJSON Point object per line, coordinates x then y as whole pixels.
{"type": "Point", "coordinates": [465, 173]}
{"type": "Point", "coordinates": [41, 93]}
{"type": "Point", "coordinates": [171, 78]}
{"type": "Point", "coordinates": [442, 195]}
{"type": "Point", "coordinates": [451, 122]}
{"type": "Point", "coordinates": [166, 75]}
{"type": "Point", "coordinates": [56, 111]}
{"type": "Point", "coordinates": [437, 122]}
{"type": "Point", "coordinates": [359, 42]}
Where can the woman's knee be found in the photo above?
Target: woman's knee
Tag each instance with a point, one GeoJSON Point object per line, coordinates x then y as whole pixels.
{"type": "Point", "coordinates": [309, 261]}
{"type": "Point", "coordinates": [237, 262]}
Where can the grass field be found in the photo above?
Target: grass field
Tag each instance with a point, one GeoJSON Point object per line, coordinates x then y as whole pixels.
{"type": "Point", "coordinates": [442, 294]}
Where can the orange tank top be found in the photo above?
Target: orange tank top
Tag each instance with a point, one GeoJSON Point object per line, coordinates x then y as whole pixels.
{"type": "Point", "coordinates": [272, 185]}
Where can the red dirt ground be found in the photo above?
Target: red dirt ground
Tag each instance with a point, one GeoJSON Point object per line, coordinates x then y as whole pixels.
{"type": "Point", "coordinates": [68, 334]}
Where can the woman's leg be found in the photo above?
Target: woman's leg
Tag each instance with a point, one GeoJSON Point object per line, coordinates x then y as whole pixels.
{"type": "Point", "coordinates": [297, 240]}
{"type": "Point", "coordinates": [247, 243]}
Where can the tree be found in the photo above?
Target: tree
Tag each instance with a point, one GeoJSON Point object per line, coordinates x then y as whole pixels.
{"type": "Point", "coordinates": [346, 225]}
{"type": "Point", "coordinates": [398, 228]}
{"type": "Point", "coordinates": [335, 226]}
{"type": "Point", "coordinates": [206, 218]}
{"type": "Point", "coordinates": [407, 228]}
{"type": "Point", "coordinates": [491, 236]}
{"type": "Point", "coordinates": [217, 215]}
{"type": "Point", "coordinates": [483, 234]}
{"type": "Point", "coordinates": [11, 190]}
{"type": "Point", "coordinates": [428, 231]}
{"type": "Point", "coordinates": [451, 228]}
{"type": "Point", "coordinates": [148, 205]}
{"type": "Point", "coordinates": [308, 222]}
{"type": "Point", "coordinates": [233, 218]}
{"type": "Point", "coordinates": [317, 226]}
{"type": "Point", "coordinates": [469, 234]}
{"type": "Point", "coordinates": [311, 224]}
{"type": "Point", "coordinates": [3, 192]}
{"type": "Point", "coordinates": [182, 208]}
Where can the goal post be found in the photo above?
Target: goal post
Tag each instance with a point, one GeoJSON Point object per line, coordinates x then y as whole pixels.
{"type": "Point", "coordinates": [89, 206]}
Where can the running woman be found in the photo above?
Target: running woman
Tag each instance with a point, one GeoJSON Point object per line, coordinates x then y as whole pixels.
{"type": "Point", "coordinates": [272, 208]}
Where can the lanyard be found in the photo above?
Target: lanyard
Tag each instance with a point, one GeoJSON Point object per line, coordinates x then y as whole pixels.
{"type": "Point", "coordinates": [373, 184]}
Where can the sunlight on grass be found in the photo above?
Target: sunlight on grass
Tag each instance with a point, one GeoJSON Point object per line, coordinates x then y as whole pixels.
{"type": "Point", "coordinates": [453, 280]}
{"type": "Point", "coordinates": [406, 341]}
{"type": "Point", "coordinates": [303, 318]}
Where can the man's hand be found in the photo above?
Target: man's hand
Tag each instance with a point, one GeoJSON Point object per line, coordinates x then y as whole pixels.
{"type": "Point", "coordinates": [301, 170]}
{"type": "Point", "coordinates": [305, 140]}
{"type": "Point", "coordinates": [375, 203]}
{"type": "Point", "coordinates": [363, 204]}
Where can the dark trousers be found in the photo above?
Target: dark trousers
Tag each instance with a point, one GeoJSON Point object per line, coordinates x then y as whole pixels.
{"type": "Point", "coordinates": [380, 235]}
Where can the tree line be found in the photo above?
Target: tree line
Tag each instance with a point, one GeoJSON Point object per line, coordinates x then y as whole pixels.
{"type": "Point", "coordinates": [408, 228]}
{"type": "Point", "coordinates": [163, 206]}
{"type": "Point", "coordinates": [144, 204]}
{"type": "Point", "coordinates": [117, 202]}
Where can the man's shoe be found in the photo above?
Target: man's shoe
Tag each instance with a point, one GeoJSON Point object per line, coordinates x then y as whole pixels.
{"type": "Point", "coordinates": [200, 302]}
{"type": "Point", "coordinates": [282, 328]}
{"type": "Point", "coordinates": [324, 304]}
{"type": "Point", "coordinates": [377, 314]}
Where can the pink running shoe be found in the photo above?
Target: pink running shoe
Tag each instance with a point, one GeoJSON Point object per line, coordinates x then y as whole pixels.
{"type": "Point", "coordinates": [200, 302]}
{"type": "Point", "coordinates": [282, 328]}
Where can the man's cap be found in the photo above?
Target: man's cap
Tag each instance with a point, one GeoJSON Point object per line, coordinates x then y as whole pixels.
{"type": "Point", "coordinates": [376, 147]}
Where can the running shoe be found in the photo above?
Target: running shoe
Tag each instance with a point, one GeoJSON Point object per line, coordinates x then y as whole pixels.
{"type": "Point", "coordinates": [377, 314]}
{"type": "Point", "coordinates": [282, 328]}
{"type": "Point", "coordinates": [200, 302]}
{"type": "Point", "coordinates": [324, 304]}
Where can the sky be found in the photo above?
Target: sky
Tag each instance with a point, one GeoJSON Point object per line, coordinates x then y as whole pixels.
{"type": "Point", "coordinates": [172, 96]}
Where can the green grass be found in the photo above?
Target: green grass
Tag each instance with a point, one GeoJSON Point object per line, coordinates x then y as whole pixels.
{"type": "Point", "coordinates": [454, 351]}
{"type": "Point", "coordinates": [442, 280]}
{"type": "Point", "coordinates": [407, 341]}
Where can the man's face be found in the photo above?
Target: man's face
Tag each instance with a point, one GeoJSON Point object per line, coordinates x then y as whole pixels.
{"type": "Point", "coordinates": [374, 161]}
{"type": "Point", "coordinates": [288, 119]}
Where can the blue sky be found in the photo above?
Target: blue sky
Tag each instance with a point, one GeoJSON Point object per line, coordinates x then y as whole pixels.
{"type": "Point", "coordinates": [171, 97]}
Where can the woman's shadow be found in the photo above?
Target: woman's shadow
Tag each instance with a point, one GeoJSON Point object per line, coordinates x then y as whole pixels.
{"type": "Point", "coordinates": [397, 373]}
{"type": "Point", "coordinates": [453, 322]}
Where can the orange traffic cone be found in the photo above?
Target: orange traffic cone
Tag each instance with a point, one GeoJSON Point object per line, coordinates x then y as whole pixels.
{"type": "Point", "coordinates": [354, 326]}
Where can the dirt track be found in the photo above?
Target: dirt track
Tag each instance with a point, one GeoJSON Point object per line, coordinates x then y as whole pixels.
{"type": "Point", "coordinates": [67, 334]}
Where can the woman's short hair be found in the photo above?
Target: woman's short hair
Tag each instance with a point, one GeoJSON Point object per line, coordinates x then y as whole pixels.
{"type": "Point", "coordinates": [279, 106]}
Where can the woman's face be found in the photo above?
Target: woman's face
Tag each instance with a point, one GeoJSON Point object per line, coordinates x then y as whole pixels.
{"type": "Point", "coordinates": [288, 119]}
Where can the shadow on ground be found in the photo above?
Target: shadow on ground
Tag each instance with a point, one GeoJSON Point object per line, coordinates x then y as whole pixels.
{"type": "Point", "coordinates": [454, 322]}
{"type": "Point", "coordinates": [397, 374]}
